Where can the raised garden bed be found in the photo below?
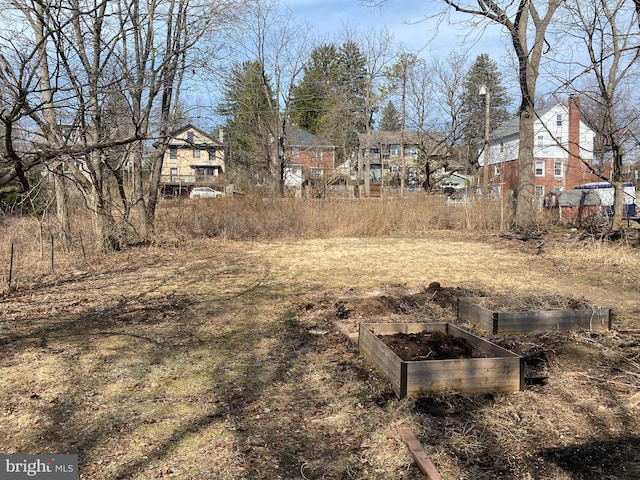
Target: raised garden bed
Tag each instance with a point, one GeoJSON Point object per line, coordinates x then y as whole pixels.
{"type": "Point", "coordinates": [481, 366]}
{"type": "Point", "coordinates": [508, 315]}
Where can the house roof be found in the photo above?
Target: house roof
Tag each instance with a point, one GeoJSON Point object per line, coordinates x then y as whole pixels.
{"type": "Point", "coordinates": [301, 138]}
{"type": "Point", "coordinates": [208, 139]}
{"type": "Point", "coordinates": [578, 198]}
{"type": "Point", "coordinates": [512, 126]}
{"type": "Point", "coordinates": [393, 137]}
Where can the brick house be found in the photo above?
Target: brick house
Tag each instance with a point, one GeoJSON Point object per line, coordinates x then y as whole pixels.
{"type": "Point", "coordinates": [193, 158]}
{"type": "Point", "coordinates": [309, 159]}
{"type": "Point", "coordinates": [562, 141]}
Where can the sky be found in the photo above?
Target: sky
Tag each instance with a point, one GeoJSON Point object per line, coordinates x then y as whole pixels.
{"type": "Point", "coordinates": [407, 20]}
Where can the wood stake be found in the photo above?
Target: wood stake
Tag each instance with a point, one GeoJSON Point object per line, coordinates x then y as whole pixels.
{"type": "Point", "coordinates": [415, 447]}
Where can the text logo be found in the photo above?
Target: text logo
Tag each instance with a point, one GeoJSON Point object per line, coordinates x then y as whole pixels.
{"type": "Point", "coordinates": [43, 467]}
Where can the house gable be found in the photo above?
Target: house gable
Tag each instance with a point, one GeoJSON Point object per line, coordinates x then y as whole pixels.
{"type": "Point", "coordinates": [310, 154]}
{"type": "Point", "coordinates": [562, 145]}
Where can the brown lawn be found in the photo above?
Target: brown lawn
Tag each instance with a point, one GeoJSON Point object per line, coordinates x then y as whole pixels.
{"type": "Point", "coordinates": [222, 360]}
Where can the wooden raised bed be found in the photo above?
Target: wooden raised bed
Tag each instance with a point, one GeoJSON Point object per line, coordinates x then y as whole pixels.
{"type": "Point", "coordinates": [498, 322]}
{"type": "Point", "coordinates": [501, 371]}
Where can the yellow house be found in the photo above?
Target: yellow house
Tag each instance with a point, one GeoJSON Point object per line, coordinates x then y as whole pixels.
{"type": "Point", "coordinates": [192, 159]}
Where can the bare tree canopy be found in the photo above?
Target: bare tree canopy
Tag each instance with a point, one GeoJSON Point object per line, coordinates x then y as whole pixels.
{"type": "Point", "coordinates": [84, 85]}
{"type": "Point", "coordinates": [605, 78]}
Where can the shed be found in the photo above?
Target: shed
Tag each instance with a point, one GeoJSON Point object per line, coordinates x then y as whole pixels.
{"type": "Point", "coordinates": [576, 205]}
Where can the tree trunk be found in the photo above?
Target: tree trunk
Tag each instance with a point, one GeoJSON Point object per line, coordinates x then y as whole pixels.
{"type": "Point", "coordinates": [618, 186]}
{"type": "Point", "coordinates": [62, 210]}
{"type": "Point", "coordinates": [525, 193]}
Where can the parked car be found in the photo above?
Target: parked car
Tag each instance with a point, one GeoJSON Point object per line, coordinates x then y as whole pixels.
{"type": "Point", "coordinates": [205, 192]}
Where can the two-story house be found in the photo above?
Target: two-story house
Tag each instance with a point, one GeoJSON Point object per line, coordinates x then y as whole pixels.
{"type": "Point", "coordinates": [388, 159]}
{"type": "Point", "coordinates": [192, 158]}
{"type": "Point", "coordinates": [309, 159]}
{"type": "Point", "coordinates": [562, 145]}
{"type": "Point", "coordinates": [386, 156]}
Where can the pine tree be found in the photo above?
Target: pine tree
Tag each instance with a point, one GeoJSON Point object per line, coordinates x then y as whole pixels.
{"type": "Point", "coordinates": [329, 101]}
{"type": "Point", "coordinates": [484, 71]}
{"type": "Point", "coordinates": [250, 121]}
{"type": "Point", "coordinates": [310, 97]}
{"type": "Point", "coordinates": [390, 118]}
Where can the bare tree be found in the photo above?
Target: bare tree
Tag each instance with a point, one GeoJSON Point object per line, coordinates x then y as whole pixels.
{"type": "Point", "coordinates": [398, 77]}
{"type": "Point", "coordinates": [526, 22]}
{"type": "Point", "coordinates": [606, 78]}
{"type": "Point", "coordinates": [435, 92]}
{"type": "Point", "coordinates": [379, 51]}
{"type": "Point", "coordinates": [62, 62]}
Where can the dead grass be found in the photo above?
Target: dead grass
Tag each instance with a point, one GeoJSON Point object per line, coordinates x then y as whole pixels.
{"type": "Point", "coordinates": [220, 359]}
{"type": "Point", "coordinates": [532, 303]}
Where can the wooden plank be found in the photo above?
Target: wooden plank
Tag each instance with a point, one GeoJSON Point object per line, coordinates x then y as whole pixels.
{"type": "Point", "coordinates": [393, 328]}
{"type": "Point", "coordinates": [512, 322]}
{"type": "Point", "coordinates": [382, 357]}
{"type": "Point", "coordinates": [597, 319]}
{"type": "Point", "coordinates": [475, 314]}
{"type": "Point", "coordinates": [424, 463]}
{"type": "Point", "coordinates": [479, 343]}
{"type": "Point", "coordinates": [471, 375]}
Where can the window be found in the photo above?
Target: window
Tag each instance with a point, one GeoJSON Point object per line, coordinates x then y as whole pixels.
{"type": "Point", "coordinates": [394, 149]}
{"type": "Point", "coordinates": [196, 153]}
{"type": "Point", "coordinates": [558, 189]}
{"type": "Point", "coordinates": [496, 170]}
{"type": "Point", "coordinates": [295, 151]}
{"type": "Point", "coordinates": [316, 172]}
{"type": "Point", "coordinates": [411, 150]}
{"type": "Point", "coordinates": [557, 169]}
{"type": "Point", "coordinates": [541, 140]}
{"type": "Point", "coordinates": [174, 174]}
{"type": "Point", "coordinates": [173, 153]}
{"type": "Point", "coordinates": [319, 154]}
{"type": "Point", "coordinates": [190, 137]}
{"type": "Point", "coordinates": [559, 119]}
{"type": "Point", "coordinates": [539, 168]}
{"type": "Point", "coordinates": [501, 147]}
{"type": "Point", "coordinates": [205, 171]}
{"type": "Point", "coordinates": [540, 190]}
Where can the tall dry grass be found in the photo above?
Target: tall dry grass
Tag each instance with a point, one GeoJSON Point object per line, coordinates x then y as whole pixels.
{"type": "Point", "coordinates": [38, 247]}
{"type": "Point", "coordinates": [39, 251]}
{"type": "Point", "coordinates": [253, 218]}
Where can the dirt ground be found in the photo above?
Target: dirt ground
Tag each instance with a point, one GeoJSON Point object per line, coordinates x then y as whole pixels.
{"type": "Point", "coordinates": [429, 346]}
{"type": "Point", "coordinates": [230, 360]}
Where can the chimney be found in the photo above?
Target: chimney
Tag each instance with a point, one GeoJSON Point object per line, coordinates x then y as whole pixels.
{"type": "Point", "coordinates": [574, 127]}
{"type": "Point", "coordinates": [574, 164]}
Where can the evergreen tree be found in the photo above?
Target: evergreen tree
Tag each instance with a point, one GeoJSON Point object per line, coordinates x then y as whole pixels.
{"type": "Point", "coordinates": [484, 71]}
{"type": "Point", "coordinates": [390, 118]}
{"type": "Point", "coordinates": [250, 121]}
{"type": "Point", "coordinates": [310, 97]}
{"type": "Point", "coordinates": [329, 101]}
